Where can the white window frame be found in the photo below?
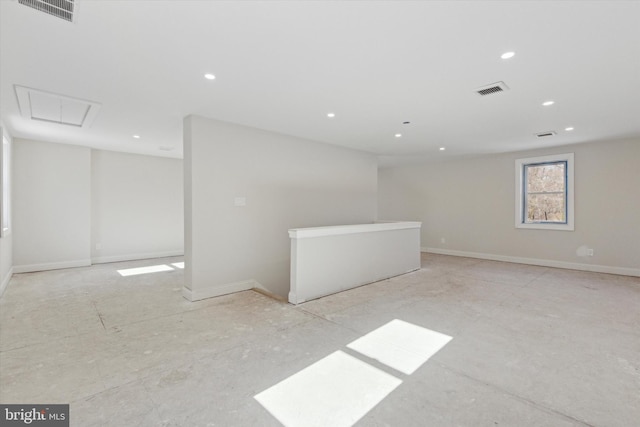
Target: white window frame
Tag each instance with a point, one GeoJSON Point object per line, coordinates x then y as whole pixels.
{"type": "Point", "coordinates": [520, 192]}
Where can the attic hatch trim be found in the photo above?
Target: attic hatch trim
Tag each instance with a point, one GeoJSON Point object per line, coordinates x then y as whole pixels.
{"type": "Point", "coordinates": [492, 88]}
{"type": "Point", "coordinates": [63, 9]}
{"type": "Point", "coordinates": [25, 95]}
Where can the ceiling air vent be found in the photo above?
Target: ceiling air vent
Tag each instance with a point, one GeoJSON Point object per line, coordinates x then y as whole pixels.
{"type": "Point", "coordinates": [62, 9]}
{"type": "Point", "coordinates": [492, 88]}
{"type": "Point", "coordinates": [546, 134]}
{"type": "Point", "coordinates": [54, 108]}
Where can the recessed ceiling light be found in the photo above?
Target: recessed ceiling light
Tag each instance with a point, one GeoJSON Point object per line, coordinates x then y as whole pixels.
{"type": "Point", "coordinates": [547, 103]}
{"type": "Point", "coordinates": [442, 148]}
{"type": "Point", "coordinates": [569, 129]}
{"type": "Point", "coordinates": [136, 136]}
{"type": "Point", "coordinates": [209, 76]}
{"type": "Point", "coordinates": [398, 135]}
{"type": "Point", "coordinates": [331, 115]}
{"type": "Point", "coordinates": [507, 55]}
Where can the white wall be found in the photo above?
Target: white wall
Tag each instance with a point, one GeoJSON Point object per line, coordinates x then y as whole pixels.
{"type": "Point", "coordinates": [6, 242]}
{"type": "Point", "coordinates": [327, 260]}
{"type": "Point", "coordinates": [51, 200]}
{"type": "Point", "coordinates": [471, 203]}
{"type": "Point", "coordinates": [68, 198]}
{"type": "Point", "coordinates": [136, 206]}
{"type": "Point", "coordinates": [287, 182]}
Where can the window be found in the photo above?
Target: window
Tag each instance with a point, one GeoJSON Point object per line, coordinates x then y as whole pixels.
{"type": "Point", "coordinates": [544, 192]}
{"type": "Point", "coordinates": [5, 177]}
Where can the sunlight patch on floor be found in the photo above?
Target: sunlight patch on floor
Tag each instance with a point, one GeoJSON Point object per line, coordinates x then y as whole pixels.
{"type": "Point", "coordinates": [144, 270]}
{"type": "Point", "coordinates": [335, 391]}
{"type": "Point", "coordinates": [340, 389]}
{"type": "Point", "coordinates": [401, 345]}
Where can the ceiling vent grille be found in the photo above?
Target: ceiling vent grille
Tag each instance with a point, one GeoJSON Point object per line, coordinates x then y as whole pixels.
{"type": "Point", "coordinates": [546, 134]}
{"type": "Point", "coordinates": [492, 88]}
{"type": "Point", "coordinates": [62, 9]}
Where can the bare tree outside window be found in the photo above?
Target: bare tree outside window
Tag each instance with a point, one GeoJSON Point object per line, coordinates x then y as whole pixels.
{"type": "Point", "coordinates": [546, 192]}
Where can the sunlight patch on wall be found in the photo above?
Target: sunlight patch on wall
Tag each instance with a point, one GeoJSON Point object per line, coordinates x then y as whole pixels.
{"type": "Point", "coordinates": [401, 345]}
{"type": "Point", "coordinates": [178, 264]}
{"type": "Point", "coordinates": [335, 391]}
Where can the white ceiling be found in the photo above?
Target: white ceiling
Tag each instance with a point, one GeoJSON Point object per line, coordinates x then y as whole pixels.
{"type": "Point", "coordinates": [282, 66]}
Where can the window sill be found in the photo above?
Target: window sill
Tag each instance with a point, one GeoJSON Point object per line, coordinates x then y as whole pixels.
{"type": "Point", "coordinates": [543, 226]}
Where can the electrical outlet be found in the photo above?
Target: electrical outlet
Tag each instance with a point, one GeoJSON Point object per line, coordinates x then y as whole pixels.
{"type": "Point", "coordinates": [443, 240]}
{"type": "Point", "coordinates": [589, 252]}
{"type": "Point", "coordinates": [98, 246]}
{"type": "Point", "coordinates": [240, 201]}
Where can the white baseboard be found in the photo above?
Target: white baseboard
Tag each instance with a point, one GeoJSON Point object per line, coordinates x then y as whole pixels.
{"type": "Point", "coordinates": [293, 298]}
{"type": "Point", "coordinates": [216, 291]}
{"type": "Point", "coordinates": [51, 266]}
{"type": "Point", "coordinates": [135, 257]}
{"type": "Point", "coordinates": [5, 281]}
{"type": "Point", "coordinates": [623, 271]}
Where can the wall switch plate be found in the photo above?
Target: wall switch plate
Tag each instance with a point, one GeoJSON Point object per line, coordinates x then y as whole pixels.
{"type": "Point", "coordinates": [240, 201]}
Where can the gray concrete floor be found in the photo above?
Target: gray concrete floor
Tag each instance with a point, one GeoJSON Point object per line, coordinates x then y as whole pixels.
{"type": "Point", "coordinates": [531, 346]}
